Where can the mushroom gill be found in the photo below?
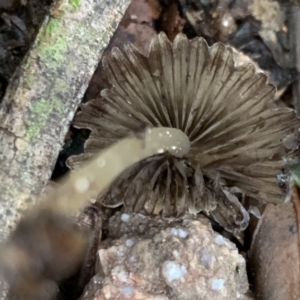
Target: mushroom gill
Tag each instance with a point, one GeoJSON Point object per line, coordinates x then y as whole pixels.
{"type": "Point", "coordinates": [232, 131]}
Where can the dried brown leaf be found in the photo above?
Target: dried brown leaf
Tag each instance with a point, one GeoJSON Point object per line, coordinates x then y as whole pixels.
{"type": "Point", "coordinates": [172, 22]}
{"type": "Point", "coordinates": [274, 254]}
{"type": "Point", "coordinates": [137, 27]}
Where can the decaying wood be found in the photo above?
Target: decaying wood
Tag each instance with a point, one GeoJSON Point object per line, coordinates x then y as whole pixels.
{"type": "Point", "coordinates": [43, 96]}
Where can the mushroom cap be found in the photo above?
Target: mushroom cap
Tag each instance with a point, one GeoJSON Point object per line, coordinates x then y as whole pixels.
{"type": "Point", "coordinates": [234, 130]}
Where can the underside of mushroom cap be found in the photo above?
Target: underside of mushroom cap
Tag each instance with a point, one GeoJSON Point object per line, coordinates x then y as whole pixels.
{"type": "Point", "coordinates": [228, 114]}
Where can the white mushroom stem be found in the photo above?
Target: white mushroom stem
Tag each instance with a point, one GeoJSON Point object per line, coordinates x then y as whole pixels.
{"type": "Point", "coordinates": [74, 194]}
{"type": "Point", "coordinates": [89, 181]}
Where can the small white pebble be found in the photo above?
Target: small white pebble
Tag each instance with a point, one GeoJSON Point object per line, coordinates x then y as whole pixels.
{"type": "Point", "coordinates": [182, 233]}
{"type": "Point", "coordinates": [171, 270]}
{"type": "Point", "coordinates": [125, 217]}
{"type": "Point", "coordinates": [167, 132]}
{"type": "Point", "coordinates": [219, 240]}
{"type": "Point", "coordinates": [129, 242]}
{"type": "Point", "coordinates": [175, 254]}
{"type": "Point", "coordinates": [160, 150]}
{"type": "Point", "coordinates": [127, 290]}
{"type": "Point", "coordinates": [119, 274]}
{"type": "Point", "coordinates": [217, 284]}
{"type": "Point", "coordinates": [179, 232]}
{"type": "Point", "coordinates": [82, 184]}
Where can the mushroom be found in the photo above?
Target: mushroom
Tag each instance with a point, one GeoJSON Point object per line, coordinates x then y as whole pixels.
{"type": "Point", "coordinates": [183, 130]}
{"type": "Point", "coordinates": [230, 136]}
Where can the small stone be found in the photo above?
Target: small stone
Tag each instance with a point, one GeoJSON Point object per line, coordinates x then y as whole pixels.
{"type": "Point", "coordinates": [217, 284]}
{"type": "Point", "coordinates": [219, 240]}
{"type": "Point", "coordinates": [173, 271]}
{"type": "Point", "coordinates": [125, 217]}
{"type": "Point", "coordinates": [187, 260]}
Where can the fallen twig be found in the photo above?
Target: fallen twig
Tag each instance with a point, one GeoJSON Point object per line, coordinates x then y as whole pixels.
{"type": "Point", "coordinates": [43, 96]}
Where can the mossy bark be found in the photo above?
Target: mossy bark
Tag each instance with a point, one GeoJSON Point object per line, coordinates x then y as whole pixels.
{"type": "Point", "coordinates": [42, 98]}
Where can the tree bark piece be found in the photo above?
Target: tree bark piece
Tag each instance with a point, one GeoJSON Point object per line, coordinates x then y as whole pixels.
{"type": "Point", "coordinates": [42, 98]}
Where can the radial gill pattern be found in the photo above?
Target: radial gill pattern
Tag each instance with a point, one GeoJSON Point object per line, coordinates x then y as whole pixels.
{"type": "Point", "coordinates": [234, 131]}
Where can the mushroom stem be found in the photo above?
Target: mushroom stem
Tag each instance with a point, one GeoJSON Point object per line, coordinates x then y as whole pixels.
{"type": "Point", "coordinates": [50, 219]}
{"type": "Point", "coordinates": [91, 180]}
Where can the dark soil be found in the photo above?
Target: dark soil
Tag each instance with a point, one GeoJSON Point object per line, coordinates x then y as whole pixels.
{"type": "Point", "coordinates": [19, 24]}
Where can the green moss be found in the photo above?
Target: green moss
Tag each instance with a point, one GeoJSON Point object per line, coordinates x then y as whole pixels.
{"type": "Point", "coordinates": [75, 3]}
{"type": "Point", "coordinates": [32, 131]}
{"type": "Point", "coordinates": [52, 27]}
{"type": "Point", "coordinates": [30, 79]}
{"type": "Point", "coordinates": [41, 111]}
{"type": "Point", "coordinates": [61, 85]}
{"type": "Point", "coordinates": [54, 47]}
{"type": "Point", "coordinates": [43, 107]}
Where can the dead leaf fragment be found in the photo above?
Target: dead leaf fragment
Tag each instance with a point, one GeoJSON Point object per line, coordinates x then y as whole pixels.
{"type": "Point", "coordinates": [172, 22]}
{"type": "Point", "coordinates": [137, 27]}
{"type": "Point", "coordinates": [274, 254]}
